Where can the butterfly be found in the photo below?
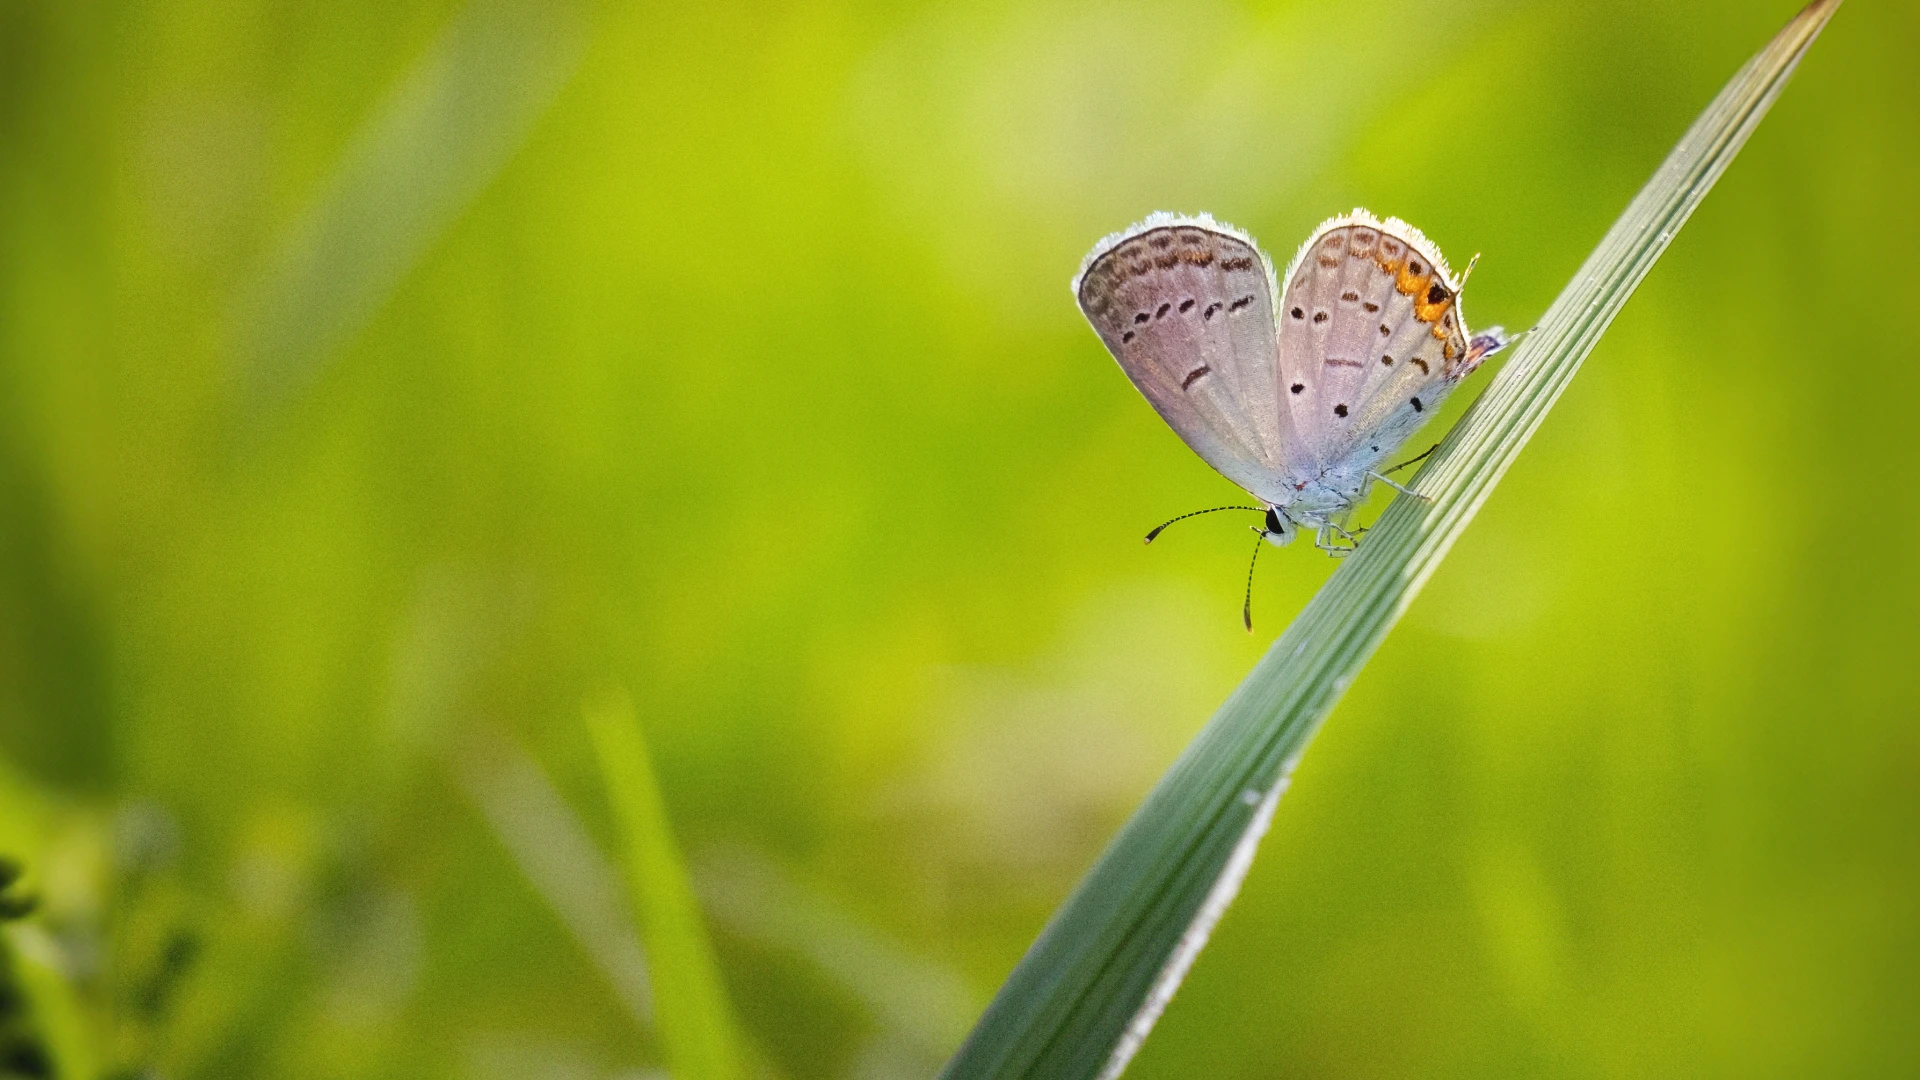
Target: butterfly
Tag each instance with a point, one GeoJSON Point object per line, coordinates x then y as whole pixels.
{"type": "Point", "coordinates": [1299, 402]}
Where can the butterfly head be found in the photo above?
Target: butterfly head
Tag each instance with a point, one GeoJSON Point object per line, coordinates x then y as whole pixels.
{"type": "Point", "coordinates": [1280, 529]}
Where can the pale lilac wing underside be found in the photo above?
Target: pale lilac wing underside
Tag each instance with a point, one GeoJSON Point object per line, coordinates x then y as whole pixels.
{"type": "Point", "coordinates": [1186, 306]}
{"type": "Point", "coordinates": [1371, 342]}
{"type": "Point", "coordinates": [1307, 395]}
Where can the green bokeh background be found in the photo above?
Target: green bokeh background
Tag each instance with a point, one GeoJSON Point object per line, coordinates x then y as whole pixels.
{"type": "Point", "coordinates": [380, 381]}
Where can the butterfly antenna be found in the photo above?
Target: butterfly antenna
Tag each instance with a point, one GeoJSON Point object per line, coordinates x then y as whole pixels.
{"type": "Point", "coordinates": [1162, 526]}
{"type": "Point", "coordinates": [1246, 606]}
{"type": "Point", "coordinates": [1468, 272]}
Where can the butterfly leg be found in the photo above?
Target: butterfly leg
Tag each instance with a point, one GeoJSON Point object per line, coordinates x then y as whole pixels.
{"type": "Point", "coordinates": [1414, 460]}
{"type": "Point", "coordinates": [1344, 534]}
{"type": "Point", "coordinates": [1323, 539]}
{"type": "Point", "coordinates": [1395, 485]}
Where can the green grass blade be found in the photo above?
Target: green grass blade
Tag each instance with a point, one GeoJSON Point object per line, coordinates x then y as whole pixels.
{"type": "Point", "coordinates": [553, 850]}
{"type": "Point", "coordinates": [442, 134]}
{"type": "Point", "coordinates": [40, 1007]}
{"type": "Point", "coordinates": [690, 1006]}
{"type": "Point", "coordinates": [1087, 992]}
{"type": "Point", "coordinates": [920, 1004]}
{"type": "Point", "coordinates": [47, 1002]}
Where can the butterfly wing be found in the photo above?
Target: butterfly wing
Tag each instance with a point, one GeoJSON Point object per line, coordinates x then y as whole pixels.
{"type": "Point", "coordinates": [1186, 306]}
{"type": "Point", "coordinates": [1371, 342]}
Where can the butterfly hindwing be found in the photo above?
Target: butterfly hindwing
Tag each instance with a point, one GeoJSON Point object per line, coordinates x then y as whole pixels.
{"type": "Point", "coordinates": [1371, 334]}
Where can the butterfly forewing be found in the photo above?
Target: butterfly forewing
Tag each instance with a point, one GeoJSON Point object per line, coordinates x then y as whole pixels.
{"type": "Point", "coordinates": [1370, 342]}
{"type": "Point", "coordinates": [1186, 307]}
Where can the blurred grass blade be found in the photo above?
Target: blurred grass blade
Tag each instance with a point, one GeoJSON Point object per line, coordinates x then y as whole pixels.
{"type": "Point", "coordinates": [923, 1003]}
{"type": "Point", "coordinates": [552, 849]}
{"type": "Point", "coordinates": [1085, 995]}
{"type": "Point", "coordinates": [689, 1001]}
{"type": "Point", "coordinates": [44, 1029]}
{"type": "Point", "coordinates": [46, 1004]}
{"type": "Point", "coordinates": [442, 134]}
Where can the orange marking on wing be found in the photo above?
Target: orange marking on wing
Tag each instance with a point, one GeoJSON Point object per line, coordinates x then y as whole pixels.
{"type": "Point", "coordinates": [1411, 284]}
{"type": "Point", "coordinates": [1432, 313]}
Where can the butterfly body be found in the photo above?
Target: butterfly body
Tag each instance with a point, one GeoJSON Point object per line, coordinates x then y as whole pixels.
{"type": "Point", "coordinates": [1297, 391]}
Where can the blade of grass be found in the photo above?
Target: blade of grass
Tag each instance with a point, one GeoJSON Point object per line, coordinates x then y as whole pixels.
{"type": "Point", "coordinates": [923, 1004]}
{"type": "Point", "coordinates": [43, 1018]}
{"type": "Point", "coordinates": [48, 999]}
{"type": "Point", "coordinates": [558, 858]}
{"type": "Point", "coordinates": [1091, 987]}
{"type": "Point", "coordinates": [690, 1006]}
{"type": "Point", "coordinates": [442, 134]}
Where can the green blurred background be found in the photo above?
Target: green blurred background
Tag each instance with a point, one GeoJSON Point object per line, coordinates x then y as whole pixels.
{"type": "Point", "coordinates": [380, 381]}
